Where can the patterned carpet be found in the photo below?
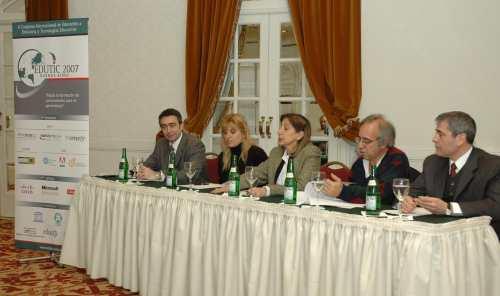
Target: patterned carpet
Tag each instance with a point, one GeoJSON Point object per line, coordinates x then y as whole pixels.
{"type": "Point", "coordinates": [43, 277]}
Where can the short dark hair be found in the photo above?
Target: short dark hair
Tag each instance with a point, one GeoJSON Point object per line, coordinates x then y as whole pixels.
{"type": "Point", "coordinates": [459, 123]}
{"type": "Point", "coordinates": [170, 112]}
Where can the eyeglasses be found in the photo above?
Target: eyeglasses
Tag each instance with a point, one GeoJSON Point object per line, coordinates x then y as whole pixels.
{"type": "Point", "coordinates": [364, 141]}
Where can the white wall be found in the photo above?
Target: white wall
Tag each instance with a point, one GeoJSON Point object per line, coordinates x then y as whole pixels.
{"type": "Point", "coordinates": [136, 54]}
{"type": "Point", "coordinates": [419, 58]}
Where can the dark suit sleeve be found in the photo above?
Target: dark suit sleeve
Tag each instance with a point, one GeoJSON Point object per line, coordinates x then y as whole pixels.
{"type": "Point", "coordinates": [417, 188]}
{"type": "Point", "coordinates": [153, 161]}
{"type": "Point", "coordinates": [195, 152]}
{"type": "Point", "coordinates": [488, 205]}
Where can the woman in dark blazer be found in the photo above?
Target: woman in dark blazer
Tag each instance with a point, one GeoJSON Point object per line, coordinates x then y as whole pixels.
{"type": "Point", "coordinates": [236, 141]}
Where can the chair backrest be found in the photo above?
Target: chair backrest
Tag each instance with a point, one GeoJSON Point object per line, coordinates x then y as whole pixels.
{"type": "Point", "coordinates": [413, 174]}
{"type": "Point", "coordinates": [339, 169]}
{"type": "Point", "coordinates": [212, 167]}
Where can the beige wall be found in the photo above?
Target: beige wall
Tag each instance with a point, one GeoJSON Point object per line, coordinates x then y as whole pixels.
{"type": "Point", "coordinates": [420, 58]}
{"type": "Point", "coordinates": [136, 54]}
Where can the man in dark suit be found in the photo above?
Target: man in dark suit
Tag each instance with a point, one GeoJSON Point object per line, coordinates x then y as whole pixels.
{"type": "Point", "coordinates": [375, 148]}
{"type": "Point", "coordinates": [186, 148]}
{"type": "Point", "coordinates": [458, 179]}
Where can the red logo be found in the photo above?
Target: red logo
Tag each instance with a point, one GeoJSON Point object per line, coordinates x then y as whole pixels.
{"type": "Point", "coordinates": [70, 191]}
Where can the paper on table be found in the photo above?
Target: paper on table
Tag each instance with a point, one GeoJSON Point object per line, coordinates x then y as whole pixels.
{"type": "Point", "coordinates": [419, 211]}
{"type": "Point", "coordinates": [312, 197]}
{"type": "Point", "coordinates": [205, 186]}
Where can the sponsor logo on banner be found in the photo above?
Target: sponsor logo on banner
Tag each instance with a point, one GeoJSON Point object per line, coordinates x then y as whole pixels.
{"type": "Point", "coordinates": [50, 233]}
{"type": "Point", "coordinates": [25, 160]}
{"type": "Point", "coordinates": [26, 189]}
{"type": "Point", "coordinates": [35, 66]}
{"type": "Point", "coordinates": [38, 217]}
{"type": "Point", "coordinates": [30, 231]}
{"type": "Point", "coordinates": [73, 163]}
{"type": "Point", "coordinates": [50, 137]}
{"type": "Point", "coordinates": [50, 190]}
{"type": "Point", "coordinates": [61, 161]}
{"type": "Point", "coordinates": [24, 135]}
{"type": "Point", "coordinates": [49, 161]}
{"type": "Point", "coordinates": [58, 218]}
{"type": "Point", "coordinates": [77, 139]}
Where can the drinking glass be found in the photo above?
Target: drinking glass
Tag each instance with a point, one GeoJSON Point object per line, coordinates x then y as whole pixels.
{"type": "Point", "coordinates": [401, 188]}
{"type": "Point", "coordinates": [138, 162]}
{"type": "Point", "coordinates": [250, 175]}
{"type": "Point", "coordinates": [318, 180]}
{"type": "Point", "coordinates": [190, 170]}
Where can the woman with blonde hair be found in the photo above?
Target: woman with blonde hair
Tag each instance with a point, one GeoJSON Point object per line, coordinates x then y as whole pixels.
{"type": "Point", "coordinates": [294, 141]}
{"type": "Point", "coordinates": [236, 141]}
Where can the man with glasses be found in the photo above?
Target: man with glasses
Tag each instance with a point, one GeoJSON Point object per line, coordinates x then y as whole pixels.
{"type": "Point", "coordinates": [459, 179]}
{"type": "Point", "coordinates": [186, 148]}
{"type": "Point", "coordinates": [375, 148]}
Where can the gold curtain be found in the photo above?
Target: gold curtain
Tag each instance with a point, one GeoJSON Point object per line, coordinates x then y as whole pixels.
{"type": "Point", "coordinates": [45, 10]}
{"type": "Point", "coordinates": [209, 35]}
{"type": "Point", "coordinates": [328, 34]}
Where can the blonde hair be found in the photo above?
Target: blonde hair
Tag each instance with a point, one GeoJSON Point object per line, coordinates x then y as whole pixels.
{"type": "Point", "coordinates": [239, 121]}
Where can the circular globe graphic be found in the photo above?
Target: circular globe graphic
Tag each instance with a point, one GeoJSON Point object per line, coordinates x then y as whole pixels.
{"type": "Point", "coordinates": [25, 67]}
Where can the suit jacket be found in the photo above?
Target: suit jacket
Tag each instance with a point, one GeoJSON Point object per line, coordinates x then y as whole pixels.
{"type": "Point", "coordinates": [190, 149]}
{"type": "Point", "coordinates": [394, 165]}
{"type": "Point", "coordinates": [478, 188]}
{"type": "Point", "coordinates": [306, 161]}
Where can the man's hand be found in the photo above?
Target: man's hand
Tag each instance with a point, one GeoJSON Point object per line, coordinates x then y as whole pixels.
{"type": "Point", "coordinates": [257, 191]}
{"type": "Point", "coordinates": [433, 204]}
{"type": "Point", "coordinates": [333, 188]}
{"type": "Point", "coordinates": [146, 173]}
{"type": "Point", "coordinates": [408, 204]}
{"type": "Point", "coordinates": [222, 189]}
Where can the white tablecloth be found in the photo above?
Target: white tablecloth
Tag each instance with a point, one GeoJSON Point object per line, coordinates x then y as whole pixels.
{"type": "Point", "coordinates": [164, 242]}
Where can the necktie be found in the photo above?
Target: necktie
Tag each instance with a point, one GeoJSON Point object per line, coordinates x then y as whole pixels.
{"type": "Point", "coordinates": [453, 170]}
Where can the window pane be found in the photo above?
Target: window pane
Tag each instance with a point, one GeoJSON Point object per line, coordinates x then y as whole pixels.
{"type": "Point", "coordinates": [323, 147]}
{"type": "Point", "coordinates": [248, 80]}
{"type": "Point", "coordinates": [249, 42]}
{"type": "Point", "coordinates": [288, 46]}
{"type": "Point", "coordinates": [290, 107]}
{"type": "Point", "coordinates": [228, 87]}
{"type": "Point", "coordinates": [319, 125]}
{"type": "Point", "coordinates": [309, 93]}
{"type": "Point", "coordinates": [250, 110]}
{"type": "Point", "coordinates": [290, 79]}
{"type": "Point", "coordinates": [222, 108]}
{"type": "Point", "coordinates": [216, 145]}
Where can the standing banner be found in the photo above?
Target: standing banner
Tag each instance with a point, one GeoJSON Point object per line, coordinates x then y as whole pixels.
{"type": "Point", "coordinates": [51, 97]}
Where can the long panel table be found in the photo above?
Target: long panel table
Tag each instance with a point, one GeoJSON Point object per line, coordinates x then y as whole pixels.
{"type": "Point", "coordinates": [167, 242]}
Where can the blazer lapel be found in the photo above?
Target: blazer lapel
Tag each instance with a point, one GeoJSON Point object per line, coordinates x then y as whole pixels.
{"type": "Point", "coordinates": [466, 174]}
{"type": "Point", "coordinates": [441, 173]}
